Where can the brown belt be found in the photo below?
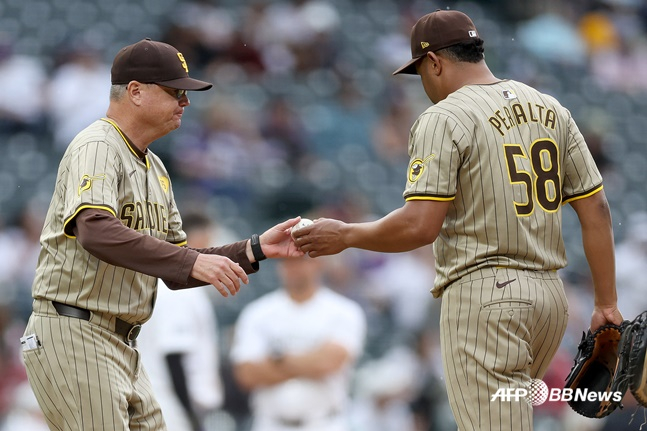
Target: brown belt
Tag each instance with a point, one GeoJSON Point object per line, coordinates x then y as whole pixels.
{"type": "Point", "coordinates": [126, 330]}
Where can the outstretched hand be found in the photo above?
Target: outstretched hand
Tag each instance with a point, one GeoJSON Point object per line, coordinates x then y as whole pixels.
{"type": "Point", "coordinates": [277, 241]}
{"type": "Point", "coordinates": [322, 238]}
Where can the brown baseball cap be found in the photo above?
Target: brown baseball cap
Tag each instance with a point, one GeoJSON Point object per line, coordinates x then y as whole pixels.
{"type": "Point", "coordinates": [149, 62]}
{"type": "Point", "coordinates": [435, 31]}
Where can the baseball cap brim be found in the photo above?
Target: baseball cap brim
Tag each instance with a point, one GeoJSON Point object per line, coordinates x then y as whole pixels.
{"type": "Point", "coordinates": [186, 84]}
{"type": "Point", "coordinates": [409, 67]}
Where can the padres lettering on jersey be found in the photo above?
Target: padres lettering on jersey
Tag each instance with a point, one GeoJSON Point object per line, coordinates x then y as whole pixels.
{"type": "Point", "coordinates": [141, 216]}
{"type": "Point", "coordinates": [507, 157]}
{"type": "Point", "coordinates": [107, 173]}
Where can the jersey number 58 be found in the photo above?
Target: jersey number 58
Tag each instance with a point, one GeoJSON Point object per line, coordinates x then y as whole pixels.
{"type": "Point", "coordinates": [542, 183]}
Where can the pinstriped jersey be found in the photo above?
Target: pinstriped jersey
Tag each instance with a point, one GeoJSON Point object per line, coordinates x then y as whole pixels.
{"type": "Point", "coordinates": [506, 157]}
{"type": "Point", "coordinates": [101, 169]}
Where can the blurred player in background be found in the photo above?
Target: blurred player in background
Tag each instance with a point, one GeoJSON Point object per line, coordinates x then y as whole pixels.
{"type": "Point", "coordinates": [492, 163]}
{"type": "Point", "coordinates": [179, 345]}
{"type": "Point", "coordinates": [294, 349]}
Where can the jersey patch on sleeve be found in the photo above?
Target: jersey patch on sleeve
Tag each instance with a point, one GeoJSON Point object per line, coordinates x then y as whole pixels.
{"type": "Point", "coordinates": [86, 182]}
{"type": "Point", "coordinates": [417, 167]}
{"type": "Point", "coordinates": [164, 182]}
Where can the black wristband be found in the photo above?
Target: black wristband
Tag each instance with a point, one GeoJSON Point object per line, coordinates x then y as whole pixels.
{"type": "Point", "coordinates": [257, 251]}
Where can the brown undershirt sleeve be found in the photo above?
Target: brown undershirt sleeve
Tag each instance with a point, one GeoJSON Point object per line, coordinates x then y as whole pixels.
{"type": "Point", "coordinates": [121, 246]}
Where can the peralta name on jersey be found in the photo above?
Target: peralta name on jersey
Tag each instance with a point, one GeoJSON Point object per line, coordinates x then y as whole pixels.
{"type": "Point", "coordinates": [518, 114]}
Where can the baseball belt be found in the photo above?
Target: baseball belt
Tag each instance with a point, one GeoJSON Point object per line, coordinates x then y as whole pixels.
{"type": "Point", "coordinates": [126, 330]}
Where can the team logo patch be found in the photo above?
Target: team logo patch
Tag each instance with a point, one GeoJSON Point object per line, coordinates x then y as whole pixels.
{"type": "Point", "coordinates": [164, 182]}
{"type": "Point", "coordinates": [86, 182]}
{"type": "Point", "coordinates": [183, 61]}
{"type": "Point", "coordinates": [417, 167]}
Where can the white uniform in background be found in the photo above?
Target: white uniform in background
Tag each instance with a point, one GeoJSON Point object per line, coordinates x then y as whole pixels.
{"type": "Point", "coordinates": [183, 322]}
{"type": "Point", "coordinates": [275, 323]}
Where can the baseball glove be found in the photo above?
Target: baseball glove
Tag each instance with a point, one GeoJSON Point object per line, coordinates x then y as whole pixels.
{"type": "Point", "coordinates": [632, 371]}
{"type": "Point", "coordinates": [594, 370]}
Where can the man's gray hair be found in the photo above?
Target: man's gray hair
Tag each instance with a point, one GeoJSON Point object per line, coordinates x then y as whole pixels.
{"type": "Point", "coordinates": [117, 91]}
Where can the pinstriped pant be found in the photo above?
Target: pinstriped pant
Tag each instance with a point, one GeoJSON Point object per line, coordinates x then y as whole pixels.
{"type": "Point", "coordinates": [85, 378]}
{"type": "Point", "coordinates": [499, 337]}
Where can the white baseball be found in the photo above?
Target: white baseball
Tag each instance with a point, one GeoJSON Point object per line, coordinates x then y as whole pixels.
{"type": "Point", "coordinates": [303, 223]}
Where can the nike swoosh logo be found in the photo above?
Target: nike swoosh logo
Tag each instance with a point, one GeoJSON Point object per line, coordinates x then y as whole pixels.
{"type": "Point", "coordinates": [505, 283]}
{"type": "Point", "coordinates": [131, 174]}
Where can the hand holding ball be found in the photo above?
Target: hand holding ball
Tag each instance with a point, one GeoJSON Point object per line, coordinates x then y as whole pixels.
{"type": "Point", "coordinates": [303, 223]}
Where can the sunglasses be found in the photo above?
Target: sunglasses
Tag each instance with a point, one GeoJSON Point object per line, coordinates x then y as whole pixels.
{"type": "Point", "coordinates": [174, 92]}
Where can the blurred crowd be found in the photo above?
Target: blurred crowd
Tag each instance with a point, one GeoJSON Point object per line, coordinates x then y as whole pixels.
{"type": "Point", "coordinates": [305, 118]}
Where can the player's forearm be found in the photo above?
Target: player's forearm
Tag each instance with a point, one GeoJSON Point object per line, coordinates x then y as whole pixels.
{"type": "Point", "coordinates": [176, 369]}
{"type": "Point", "coordinates": [399, 231]}
{"type": "Point", "coordinates": [267, 372]}
{"type": "Point", "coordinates": [414, 225]}
{"type": "Point", "coordinates": [318, 363]}
{"type": "Point", "coordinates": [598, 243]}
{"type": "Point", "coordinates": [381, 236]}
{"type": "Point", "coordinates": [598, 247]}
{"type": "Point", "coordinates": [315, 364]}
{"type": "Point", "coordinates": [120, 246]}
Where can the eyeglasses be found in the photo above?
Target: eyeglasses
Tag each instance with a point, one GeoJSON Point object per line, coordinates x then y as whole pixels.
{"type": "Point", "coordinates": [174, 92]}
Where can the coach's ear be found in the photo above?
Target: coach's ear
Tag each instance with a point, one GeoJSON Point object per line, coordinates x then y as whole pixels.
{"type": "Point", "coordinates": [134, 91]}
